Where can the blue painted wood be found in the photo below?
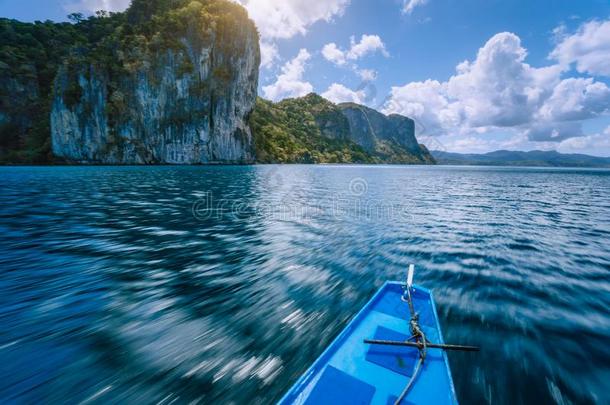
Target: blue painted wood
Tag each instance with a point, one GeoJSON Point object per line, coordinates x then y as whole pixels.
{"type": "Point", "coordinates": [333, 385]}
{"type": "Point", "coordinates": [382, 368]}
{"type": "Point", "coordinates": [398, 359]}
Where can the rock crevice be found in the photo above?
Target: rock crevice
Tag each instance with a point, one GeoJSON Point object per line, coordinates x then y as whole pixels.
{"type": "Point", "coordinates": [184, 105]}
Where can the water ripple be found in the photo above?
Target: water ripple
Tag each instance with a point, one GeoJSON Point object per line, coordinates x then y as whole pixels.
{"type": "Point", "coordinates": [114, 291]}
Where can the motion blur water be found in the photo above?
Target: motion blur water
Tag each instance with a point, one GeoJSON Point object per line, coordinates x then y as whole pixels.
{"type": "Point", "coordinates": [208, 284]}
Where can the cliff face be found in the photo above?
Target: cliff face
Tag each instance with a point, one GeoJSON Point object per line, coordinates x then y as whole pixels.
{"type": "Point", "coordinates": [309, 129]}
{"type": "Point", "coordinates": [167, 81]}
{"type": "Point", "coordinates": [386, 136]}
{"type": "Point", "coordinates": [187, 104]}
{"type": "Point", "coordinates": [312, 129]}
{"type": "Point", "coordinates": [171, 81]}
{"type": "Point", "coordinates": [163, 115]}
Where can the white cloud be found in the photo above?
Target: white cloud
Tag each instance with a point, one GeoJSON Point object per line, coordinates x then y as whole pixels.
{"type": "Point", "coordinates": [553, 131]}
{"type": "Point", "coordinates": [492, 88]}
{"type": "Point", "coordinates": [587, 144]}
{"type": "Point", "coordinates": [91, 6]}
{"type": "Point", "coordinates": [338, 93]}
{"type": "Point", "coordinates": [369, 44]}
{"type": "Point", "coordinates": [428, 102]}
{"type": "Point", "coordinates": [469, 144]}
{"type": "Point", "coordinates": [576, 99]}
{"type": "Point", "coordinates": [333, 54]}
{"type": "Point", "coordinates": [269, 54]}
{"type": "Point", "coordinates": [290, 82]}
{"type": "Point", "coordinates": [499, 90]}
{"type": "Point", "coordinates": [367, 75]}
{"type": "Point", "coordinates": [287, 18]}
{"type": "Point", "coordinates": [588, 48]}
{"type": "Point", "coordinates": [274, 19]}
{"type": "Point", "coordinates": [409, 5]}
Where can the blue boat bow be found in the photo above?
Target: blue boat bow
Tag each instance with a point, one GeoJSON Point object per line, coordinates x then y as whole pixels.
{"type": "Point", "coordinates": [351, 371]}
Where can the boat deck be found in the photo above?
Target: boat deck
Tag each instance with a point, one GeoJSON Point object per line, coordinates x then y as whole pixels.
{"type": "Point", "coordinates": [352, 372]}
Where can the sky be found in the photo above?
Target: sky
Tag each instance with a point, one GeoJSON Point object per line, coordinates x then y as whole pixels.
{"type": "Point", "coordinates": [475, 75]}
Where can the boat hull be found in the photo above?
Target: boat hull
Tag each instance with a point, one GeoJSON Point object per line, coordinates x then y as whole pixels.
{"type": "Point", "coordinates": [352, 372]}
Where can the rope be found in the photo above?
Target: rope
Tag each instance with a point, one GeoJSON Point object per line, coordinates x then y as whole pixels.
{"type": "Point", "coordinates": [420, 339]}
{"type": "Point", "coordinates": [408, 387]}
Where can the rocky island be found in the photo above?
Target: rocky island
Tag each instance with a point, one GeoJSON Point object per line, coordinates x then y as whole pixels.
{"type": "Point", "coordinates": [311, 129]}
{"type": "Point", "coordinates": [171, 82]}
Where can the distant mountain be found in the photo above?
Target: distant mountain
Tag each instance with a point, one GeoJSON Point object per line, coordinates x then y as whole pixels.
{"type": "Point", "coordinates": [517, 158]}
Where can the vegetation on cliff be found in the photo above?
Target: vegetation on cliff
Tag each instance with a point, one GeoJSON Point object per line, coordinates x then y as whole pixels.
{"type": "Point", "coordinates": [175, 85]}
{"type": "Point", "coordinates": [31, 54]}
{"type": "Point", "coordinates": [42, 61]}
{"type": "Point", "coordinates": [391, 139]}
{"type": "Point", "coordinates": [29, 57]}
{"type": "Point", "coordinates": [291, 132]}
{"type": "Point", "coordinates": [312, 129]}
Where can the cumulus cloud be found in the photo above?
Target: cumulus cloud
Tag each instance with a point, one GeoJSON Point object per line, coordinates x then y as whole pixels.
{"type": "Point", "coordinates": [576, 99]}
{"type": "Point", "coordinates": [428, 102]}
{"type": "Point", "coordinates": [365, 93]}
{"type": "Point", "coordinates": [287, 18]}
{"type": "Point", "coordinates": [469, 144]}
{"type": "Point", "coordinates": [368, 44]}
{"type": "Point", "coordinates": [332, 53]}
{"type": "Point", "coordinates": [367, 75]}
{"type": "Point", "coordinates": [290, 82]}
{"type": "Point", "coordinates": [553, 131]}
{"type": "Point", "coordinates": [338, 93]}
{"type": "Point", "coordinates": [410, 5]}
{"type": "Point", "coordinates": [274, 19]}
{"type": "Point", "coordinates": [586, 144]}
{"type": "Point", "coordinates": [500, 90]}
{"type": "Point", "coordinates": [91, 6]}
{"type": "Point", "coordinates": [269, 54]}
{"type": "Point", "coordinates": [588, 48]}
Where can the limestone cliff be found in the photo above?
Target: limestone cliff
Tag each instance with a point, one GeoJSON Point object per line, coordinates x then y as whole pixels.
{"type": "Point", "coordinates": [167, 81]}
{"type": "Point", "coordinates": [171, 82]}
{"type": "Point", "coordinates": [391, 138]}
{"type": "Point", "coordinates": [311, 129]}
{"type": "Point", "coordinates": [181, 101]}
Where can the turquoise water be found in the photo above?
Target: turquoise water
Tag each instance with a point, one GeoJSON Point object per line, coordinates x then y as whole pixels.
{"type": "Point", "coordinates": [180, 284]}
